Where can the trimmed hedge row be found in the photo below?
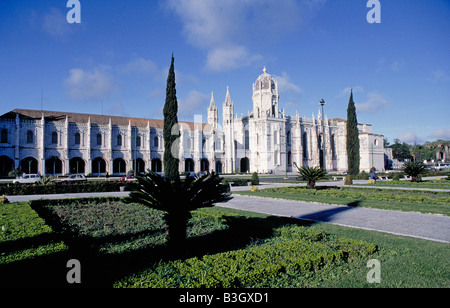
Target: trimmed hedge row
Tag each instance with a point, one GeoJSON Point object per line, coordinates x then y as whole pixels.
{"type": "Point", "coordinates": [20, 222]}
{"type": "Point", "coordinates": [293, 252]}
{"type": "Point", "coordinates": [59, 188]}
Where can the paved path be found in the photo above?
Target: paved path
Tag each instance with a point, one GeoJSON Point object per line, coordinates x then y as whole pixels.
{"type": "Point", "coordinates": [425, 226]}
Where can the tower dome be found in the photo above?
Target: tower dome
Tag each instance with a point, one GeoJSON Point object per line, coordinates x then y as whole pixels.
{"type": "Point", "coordinates": [265, 96]}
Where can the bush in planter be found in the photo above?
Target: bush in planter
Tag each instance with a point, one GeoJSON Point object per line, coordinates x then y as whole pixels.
{"type": "Point", "coordinates": [255, 178]}
{"type": "Point", "coordinates": [348, 180]}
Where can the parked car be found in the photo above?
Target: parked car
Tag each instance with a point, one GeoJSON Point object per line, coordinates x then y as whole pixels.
{"type": "Point", "coordinates": [28, 179]}
{"type": "Point", "coordinates": [74, 178]}
{"type": "Point", "coordinates": [128, 178]}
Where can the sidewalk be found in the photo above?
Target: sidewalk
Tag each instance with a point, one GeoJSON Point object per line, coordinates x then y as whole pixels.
{"type": "Point", "coordinates": [425, 226]}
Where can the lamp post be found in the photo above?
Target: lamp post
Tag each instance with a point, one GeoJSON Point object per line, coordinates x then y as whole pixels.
{"type": "Point", "coordinates": [322, 103]}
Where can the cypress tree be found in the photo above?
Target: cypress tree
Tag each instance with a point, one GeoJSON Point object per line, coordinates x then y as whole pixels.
{"type": "Point", "coordinates": [170, 119]}
{"type": "Point", "coordinates": [353, 155]}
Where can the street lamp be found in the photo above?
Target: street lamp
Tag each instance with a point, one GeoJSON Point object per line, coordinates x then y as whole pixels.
{"type": "Point", "coordinates": [322, 103]}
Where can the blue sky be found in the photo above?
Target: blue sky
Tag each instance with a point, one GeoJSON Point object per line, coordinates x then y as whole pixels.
{"type": "Point", "coordinates": [116, 61]}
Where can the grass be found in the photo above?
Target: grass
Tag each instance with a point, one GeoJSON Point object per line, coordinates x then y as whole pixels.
{"type": "Point", "coordinates": [115, 241]}
{"type": "Point", "coordinates": [431, 184]}
{"type": "Point", "coordinates": [389, 199]}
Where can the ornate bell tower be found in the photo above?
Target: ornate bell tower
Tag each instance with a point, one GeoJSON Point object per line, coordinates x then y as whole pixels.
{"type": "Point", "coordinates": [265, 97]}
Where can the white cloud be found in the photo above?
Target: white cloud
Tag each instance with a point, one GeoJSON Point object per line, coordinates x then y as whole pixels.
{"type": "Point", "coordinates": [410, 138]}
{"type": "Point", "coordinates": [285, 84]}
{"type": "Point", "coordinates": [96, 83]}
{"type": "Point", "coordinates": [443, 133]}
{"type": "Point", "coordinates": [229, 58]}
{"type": "Point", "coordinates": [194, 102]}
{"type": "Point", "coordinates": [224, 29]}
{"type": "Point", "coordinates": [139, 65]}
{"type": "Point", "coordinates": [374, 103]}
{"type": "Point", "coordinates": [439, 75]}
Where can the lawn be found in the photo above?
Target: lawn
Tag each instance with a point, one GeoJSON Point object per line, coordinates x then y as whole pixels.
{"type": "Point", "coordinates": [430, 184]}
{"type": "Point", "coordinates": [123, 245]}
{"type": "Point", "coordinates": [390, 199]}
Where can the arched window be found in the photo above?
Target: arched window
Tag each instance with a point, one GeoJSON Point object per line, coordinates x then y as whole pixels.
{"type": "Point", "coordinates": [30, 136]}
{"type": "Point", "coordinates": [156, 165]}
{"type": "Point", "coordinates": [204, 165]}
{"type": "Point", "coordinates": [156, 142]}
{"type": "Point", "coordinates": [189, 165]}
{"type": "Point", "coordinates": [119, 166]}
{"type": "Point", "coordinates": [119, 140]}
{"type": "Point", "coordinates": [4, 136]}
{"type": "Point", "coordinates": [99, 139]}
{"type": "Point", "coordinates": [77, 138]}
{"type": "Point", "coordinates": [138, 141]}
{"type": "Point", "coordinates": [54, 137]}
{"type": "Point", "coordinates": [288, 138]}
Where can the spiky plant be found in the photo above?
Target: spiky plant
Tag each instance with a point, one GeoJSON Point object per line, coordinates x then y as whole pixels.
{"type": "Point", "coordinates": [310, 174]}
{"type": "Point", "coordinates": [414, 169]}
{"type": "Point", "coordinates": [178, 198]}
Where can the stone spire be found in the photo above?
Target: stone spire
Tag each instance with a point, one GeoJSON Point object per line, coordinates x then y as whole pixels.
{"type": "Point", "coordinates": [228, 101]}
{"type": "Point", "coordinates": [213, 116]}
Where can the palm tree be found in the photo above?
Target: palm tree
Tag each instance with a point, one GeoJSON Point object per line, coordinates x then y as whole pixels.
{"type": "Point", "coordinates": [178, 198]}
{"type": "Point", "coordinates": [414, 169]}
{"type": "Point", "coordinates": [310, 174]}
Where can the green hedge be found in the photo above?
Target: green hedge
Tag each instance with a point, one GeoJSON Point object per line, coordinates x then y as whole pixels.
{"type": "Point", "coordinates": [59, 188]}
{"type": "Point", "coordinates": [292, 253]}
{"type": "Point", "coordinates": [19, 222]}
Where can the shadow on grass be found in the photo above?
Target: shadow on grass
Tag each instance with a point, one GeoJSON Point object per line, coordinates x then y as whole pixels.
{"type": "Point", "coordinates": [102, 270]}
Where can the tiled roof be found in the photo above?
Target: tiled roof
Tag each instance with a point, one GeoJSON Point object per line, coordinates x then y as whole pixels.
{"type": "Point", "coordinates": [84, 118]}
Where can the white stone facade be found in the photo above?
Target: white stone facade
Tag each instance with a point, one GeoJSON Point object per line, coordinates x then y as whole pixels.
{"type": "Point", "coordinates": [264, 141]}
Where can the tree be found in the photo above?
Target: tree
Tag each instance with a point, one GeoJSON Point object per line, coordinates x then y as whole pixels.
{"type": "Point", "coordinates": [414, 169]}
{"type": "Point", "coordinates": [170, 123]}
{"type": "Point", "coordinates": [400, 151]}
{"type": "Point", "coordinates": [310, 174]}
{"type": "Point", "coordinates": [171, 194]}
{"type": "Point", "coordinates": [352, 138]}
{"type": "Point", "coordinates": [178, 198]}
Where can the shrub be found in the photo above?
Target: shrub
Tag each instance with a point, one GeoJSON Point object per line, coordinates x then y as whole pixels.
{"type": "Point", "coordinates": [291, 253]}
{"type": "Point", "coordinates": [255, 178]}
{"type": "Point", "coordinates": [310, 174]}
{"type": "Point", "coordinates": [3, 199]}
{"type": "Point", "coordinates": [178, 198]}
{"type": "Point", "coordinates": [414, 169]}
{"type": "Point", "coordinates": [348, 180]}
{"type": "Point", "coordinates": [362, 176]}
{"type": "Point", "coordinates": [20, 221]}
{"type": "Point", "coordinates": [254, 188]}
{"type": "Point", "coordinates": [396, 177]}
{"type": "Point", "coordinates": [59, 188]}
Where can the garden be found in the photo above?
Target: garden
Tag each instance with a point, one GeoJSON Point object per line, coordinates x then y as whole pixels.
{"type": "Point", "coordinates": [122, 244]}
